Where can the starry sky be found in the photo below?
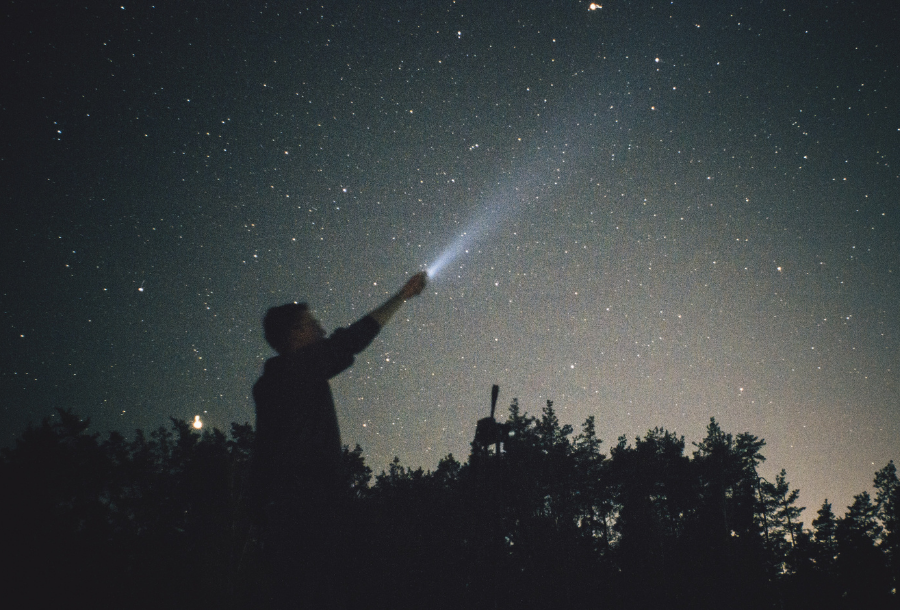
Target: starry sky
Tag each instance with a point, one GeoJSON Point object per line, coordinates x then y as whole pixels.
{"type": "Point", "coordinates": [655, 213]}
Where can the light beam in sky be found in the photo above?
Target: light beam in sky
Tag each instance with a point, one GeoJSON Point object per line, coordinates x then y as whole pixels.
{"type": "Point", "coordinates": [501, 205]}
{"type": "Point", "coordinates": [500, 208]}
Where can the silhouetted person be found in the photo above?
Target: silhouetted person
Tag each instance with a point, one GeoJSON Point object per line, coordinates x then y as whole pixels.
{"type": "Point", "coordinates": [297, 455]}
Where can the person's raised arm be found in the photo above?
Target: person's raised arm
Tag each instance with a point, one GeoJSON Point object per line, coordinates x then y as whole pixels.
{"type": "Point", "coordinates": [414, 286]}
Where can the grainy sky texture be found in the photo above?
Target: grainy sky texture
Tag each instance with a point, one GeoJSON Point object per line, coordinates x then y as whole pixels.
{"type": "Point", "coordinates": [673, 211]}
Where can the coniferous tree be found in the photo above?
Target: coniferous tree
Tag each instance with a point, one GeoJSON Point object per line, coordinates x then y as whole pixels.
{"type": "Point", "coordinates": [887, 500]}
{"type": "Point", "coordinates": [357, 474]}
{"type": "Point", "coordinates": [54, 518]}
{"type": "Point", "coordinates": [594, 502]}
{"type": "Point", "coordinates": [728, 537]}
{"type": "Point", "coordinates": [713, 462]}
{"type": "Point", "coordinates": [781, 524]}
{"type": "Point", "coordinates": [652, 478]}
{"type": "Point", "coordinates": [555, 470]}
{"type": "Point", "coordinates": [861, 562]}
{"type": "Point", "coordinates": [825, 546]}
{"type": "Point", "coordinates": [815, 580]}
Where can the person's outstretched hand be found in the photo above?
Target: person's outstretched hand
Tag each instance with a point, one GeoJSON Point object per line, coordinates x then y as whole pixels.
{"type": "Point", "coordinates": [415, 285]}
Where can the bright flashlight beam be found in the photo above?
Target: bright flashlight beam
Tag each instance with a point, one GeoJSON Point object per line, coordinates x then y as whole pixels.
{"type": "Point", "coordinates": [499, 210]}
{"type": "Point", "coordinates": [539, 178]}
{"type": "Point", "coordinates": [457, 247]}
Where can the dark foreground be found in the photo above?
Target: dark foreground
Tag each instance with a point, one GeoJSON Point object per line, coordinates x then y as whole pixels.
{"type": "Point", "coordinates": [551, 522]}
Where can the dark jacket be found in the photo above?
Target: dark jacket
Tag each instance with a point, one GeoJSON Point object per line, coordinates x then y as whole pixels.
{"type": "Point", "coordinates": [298, 442]}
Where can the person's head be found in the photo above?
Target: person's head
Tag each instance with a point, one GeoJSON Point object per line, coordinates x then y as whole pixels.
{"type": "Point", "coordinates": [289, 327]}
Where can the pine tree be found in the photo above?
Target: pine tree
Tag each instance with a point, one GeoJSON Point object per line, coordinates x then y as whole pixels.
{"type": "Point", "coordinates": [861, 562]}
{"type": "Point", "coordinates": [887, 501]}
{"type": "Point", "coordinates": [726, 533]}
{"type": "Point", "coordinates": [781, 522]}
{"type": "Point", "coordinates": [355, 473]}
{"type": "Point", "coordinates": [652, 481]}
{"type": "Point", "coordinates": [825, 545]}
{"type": "Point", "coordinates": [593, 495]}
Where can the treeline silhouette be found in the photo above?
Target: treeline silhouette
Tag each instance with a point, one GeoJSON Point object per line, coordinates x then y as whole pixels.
{"type": "Point", "coordinates": [551, 522]}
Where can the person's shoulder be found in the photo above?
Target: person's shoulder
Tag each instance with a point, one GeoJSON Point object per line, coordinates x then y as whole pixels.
{"type": "Point", "coordinates": [289, 363]}
{"type": "Point", "coordinates": [272, 363]}
{"type": "Point", "coordinates": [276, 371]}
{"type": "Point", "coordinates": [274, 367]}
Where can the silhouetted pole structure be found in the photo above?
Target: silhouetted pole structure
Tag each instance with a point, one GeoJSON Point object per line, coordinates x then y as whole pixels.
{"type": "Point", "coordinates": [490, 484]}
{"type": "Point", "coordinates": [488, 432]}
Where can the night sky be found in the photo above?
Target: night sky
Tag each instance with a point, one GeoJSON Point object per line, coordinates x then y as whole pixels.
{"type": "Point", "coordinates": [671, 211]}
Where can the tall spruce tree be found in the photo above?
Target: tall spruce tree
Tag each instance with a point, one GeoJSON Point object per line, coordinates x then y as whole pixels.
{"type": "Point", "coordinates": [887, 500]}
{"type": "Point", "coordinates": [781, 523]}
{"type": "Point", "coordinates": [825, 546]}
{"type": "Point", "coordinates": [861, 562]}
{"type": "Point", "coordinates": [728, 537]}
